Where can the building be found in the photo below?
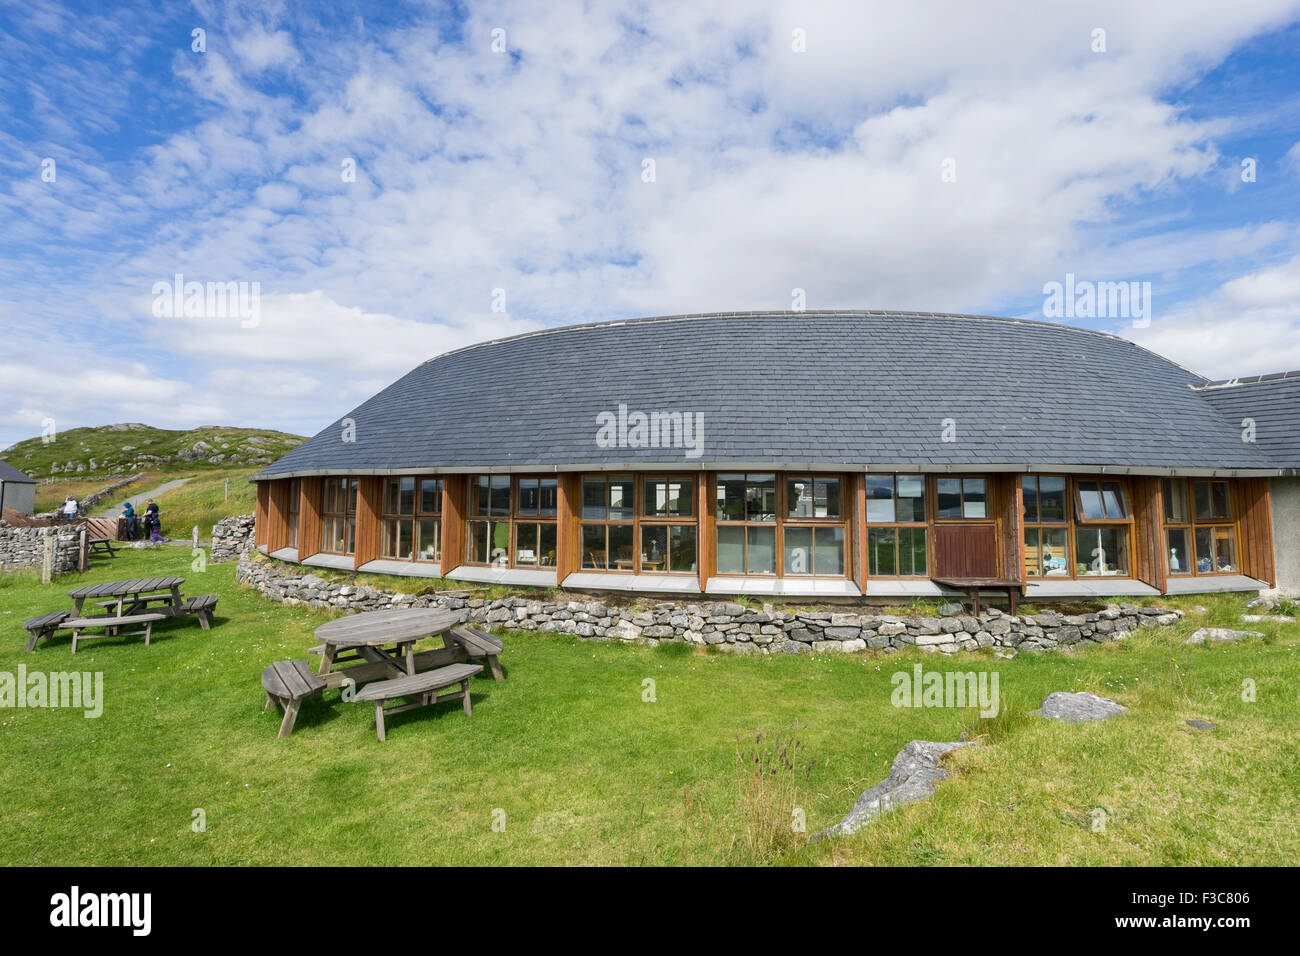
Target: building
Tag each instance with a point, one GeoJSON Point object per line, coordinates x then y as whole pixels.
{"type": "Point", "coordinates": [1270, 405]}
{"type": "Point", "coordinates": [828, 454]}
{"type": "Point", "coordinates": [17, 491]}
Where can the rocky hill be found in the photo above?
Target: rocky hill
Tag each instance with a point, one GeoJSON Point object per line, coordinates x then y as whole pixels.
{"type": "Point", "coordinates": [131, 447]}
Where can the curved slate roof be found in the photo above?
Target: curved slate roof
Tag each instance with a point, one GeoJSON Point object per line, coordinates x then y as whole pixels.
{"type": "Point", "coordinates": [818, 389]}
{"type": "Point", "coordinates": [1273, 401]}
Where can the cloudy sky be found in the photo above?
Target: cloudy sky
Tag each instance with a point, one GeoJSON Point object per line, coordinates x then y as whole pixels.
{"type": "Point", "coordinates": [402, 179]}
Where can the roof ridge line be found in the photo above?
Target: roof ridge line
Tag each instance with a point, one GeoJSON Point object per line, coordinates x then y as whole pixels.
{"type": "Point", "coordinates": [687, 316]}
{"type": "Point", "coordinates": [1263, 378]}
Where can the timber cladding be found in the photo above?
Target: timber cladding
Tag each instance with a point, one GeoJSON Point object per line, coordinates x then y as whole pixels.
{"type": "Point", "coordinates": [370, 522]}
{"type": "Point", "coordinates": [1255, 530]}
{"type": "Point", "coordinates": [1148, 547]}
{"type": "Point", "coordinates": [311, 498]}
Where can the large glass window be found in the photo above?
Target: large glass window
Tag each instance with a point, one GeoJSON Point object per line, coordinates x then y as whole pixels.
{"type": "Point", "coordinates": [790, 524]}
{"type": "Point", "coordinates": [900, 550]}
{"type": "Point", "coordinates": [413, 519]}
{"type": "Point", "coordinates": [1047, 544]}
{"type": "Point", "coordinates": [1100, 500]}
{"type": "Point", "coordinates": [1199, 534]}
{"type": "Point", "coordinates": [962, 497]}
{"type": "Point", "coordinates": [339, 514]}
{"type": "Point", "coordinates": [512, 521]}
{"type": "Point", "coordinates": [608, 522]}
{"type": "Point", "coordinates": [1101, 550]}
{"type": "Point", "coordinates": [667, 525]}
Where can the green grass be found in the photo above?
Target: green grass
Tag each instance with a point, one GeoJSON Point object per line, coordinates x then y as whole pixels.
{"type": "Point", "coordinates": [587, 772]}
{"type": "Point", "coordinates": [202, 501]}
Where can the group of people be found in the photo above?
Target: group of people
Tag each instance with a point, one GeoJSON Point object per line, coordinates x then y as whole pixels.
{"type": "Point", "coordinates": [152, 523]}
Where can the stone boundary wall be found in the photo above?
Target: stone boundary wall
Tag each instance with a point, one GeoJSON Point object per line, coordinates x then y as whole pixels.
{"type": "Point", "coordinates": [231, 538]}
{"type": "Point", "coordinates": [25, 547]}
{"type": "Point", "coordinates": [732, 627]}
{"type": "Point", "coordinates": [90, 501]}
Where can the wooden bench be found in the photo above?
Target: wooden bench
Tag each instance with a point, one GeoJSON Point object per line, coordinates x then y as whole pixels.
{"type": "Point", "coordinates": [288, 684]}
{"type": "Point", "coordinates": [425, 686]}
{"type": "Point", "coordinates": [43, 627]}
{"type": "Point", "coordinates": [202, 607]}
{"type": "Point", "coordinates": [112, 627]}
{"type": "Point", "coordinates": [972, 586]}
{"type": "Point", "coordinates": [479, 646]}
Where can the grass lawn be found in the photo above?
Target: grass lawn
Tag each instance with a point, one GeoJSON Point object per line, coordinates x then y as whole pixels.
{"type": "Point", "coordinates": [202, 501]}
{"type": "Point", "coordinates": [587, 772]}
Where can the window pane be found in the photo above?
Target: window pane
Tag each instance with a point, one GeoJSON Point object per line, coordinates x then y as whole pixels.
{"type": "Point", "coordinates": [500, 494]}
{"type": "Point", "coordinates": [546, 541]}
{"type": "Point", "coordinates": [731, 548]}
{"type": "Point", "coordinates": [593, 547]}
{"type": "Point", "coordinates": [826, 498]}
{"type": "Point", "coordinates": [681, 545]}
{"type": "Point", "coordinates": [799, 496]}
{"type": "Point", "coordinates": [911, 498]}
{"type": "Point", "coordinates": [1056, 552]}
{"type": "Point", "coordinates": [880, 499]}
{"type": "Point", "coordinates": [1029, 492]}
{"type": "Point", "coordinates": [882, 552]}
{"type": "Point", "coordinates": [1112, 499]}
{"type": "Point", "coordinates": [975, 505]}
{"type": "Point", "coordinates": [1033, 560]}
{"type": "Point", "coordinates": [829, 544]}
{"type": "Point", "coordinates": [761, 552]}
{"type": "Point", "coordinates": [620, 547]}
{"type": "Point", "coordinates": [593, 498]}
{"type": "Point", "coordinates": [526, 544]}
{"type": "Point", "coordinates": [681, 497]}
{"type": "Point", "coordinates": [528, 496]}
{"type": "Point", "coordinates": [332, 536]}
{"type": "Point", "coordinates": [731, 497]}
{"type": "Point", "coordinates": [431, 496]}
{"type": "Point", "coordinates": [428, 541]}
{"type": "Point", "coordinates": [1175, 495]}
{"type": "Point", "coordinates": [911, 552]}
{"type": "Point", "coordinates": [1201, 494]}
{"type": "Point", "coordinates": [760, 499]}
{"type": "Point", "coordinates": [654, 547]}
{"type": "Point", "coordinates": [1219, 499]}
{"type": "Point", "coordinates": [798, 551]}
{"type": "Point", "coordinates": [656, 497]}
{"type": "Point", "coordinates": [500, 543]}
{"type": "Point", "coordinates": [480, 494]}
{"type": "Point", "coordinates": [1051, 498]}
{"type": "Point", "coordinates": [1101, 551]}
{"type": "Point", "coordinates": [1090, 500]}
{"type": "Point", "coordinates": [949, 497]}
{"type": "Point", "coordinates": [352, 495]}
{"type": "Point", "coordinates": [1214, 551]}
{"type": "Point", "coordinates": [548, 494]}
{"type": "Point", "coordinates": [621, 497]}
{"type": "Point", "coordinates": [1223, 550]}
{"type": "Point", "coordinates": [350, 531]}
{"type": "Point", "coordinates": [1177, 552]}
{"type": "Point", "coordinates": [397, 540]}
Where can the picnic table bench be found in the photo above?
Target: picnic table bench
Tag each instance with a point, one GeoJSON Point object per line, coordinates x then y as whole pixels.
{"type": "Point", "coordinates": [478, 645]}
{"type": "Point", "coordinates": [288, 684]}
{"type": "Point", "coordinates": [972, 586]}
{"type": "Point", "coordinates": [424, 686]}
{"type": "Point", "coordinates": [112, 625]}
{"type": "Point", "coordinates": [368, 637]}
{"type": "Point", "coordinates": [135, 590]}
{"type": "Point", "coordinates": [44, 627]}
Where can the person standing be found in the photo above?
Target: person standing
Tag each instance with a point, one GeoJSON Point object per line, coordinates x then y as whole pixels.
{"type": "Point", "coordinates": [152, 522]}
{"type": "Point", "coordinates": [70, 508]}
{"type": "Point", "coordinates": [128, 513]}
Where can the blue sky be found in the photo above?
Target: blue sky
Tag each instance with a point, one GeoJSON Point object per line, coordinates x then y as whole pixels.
{"type": "Point", "coordinates": [794, 146]}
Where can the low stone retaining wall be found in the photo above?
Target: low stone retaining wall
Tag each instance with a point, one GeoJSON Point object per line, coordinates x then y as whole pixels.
{"type": "Point", "coordinates": [231, 538]}
{"type": "Point", "coordinates": [25, 547]}
{"type": "Point", "coordinates": [90, 501]}
{"type": "Point", "coordinates": [732, 627]}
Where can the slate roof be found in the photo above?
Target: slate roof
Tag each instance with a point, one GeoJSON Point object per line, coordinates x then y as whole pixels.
{"type": "Point", "coordinates": [1273, 401]}
{"type": "Point", "coordinates": [9, 473]}
{"type": "Point", "coordinates": [821, 388]}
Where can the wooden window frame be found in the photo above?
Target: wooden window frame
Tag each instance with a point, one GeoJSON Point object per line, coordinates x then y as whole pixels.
{"type": "Point", "coordinates": [988, 517]}
{"type": "Point", "coordinates": [782, 520]}
{"type": "Point", "coordinates": [292, 513]}
{"type": "Point", "coordinates": [1191, 524]}
{"type": "Point", "coordinates": [512, 518]}
{"type": "Point", "coordinates": [644, 519]}
{"type": "Point", "coordinates": [413, 519]}
{"type": "Point", "coordinates": [351, 491]}
{"type": "Point", "coordinates": [897, 526]}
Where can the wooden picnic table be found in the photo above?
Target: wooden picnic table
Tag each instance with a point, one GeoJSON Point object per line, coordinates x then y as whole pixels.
{"type": "Point", "coordinates": [973, 586]}
{"type": "Point", "coordinates": [137, 594]}
{"type": "Point", "coordinates": [369, 637]}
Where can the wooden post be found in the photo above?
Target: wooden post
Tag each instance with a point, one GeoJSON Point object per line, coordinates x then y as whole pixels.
{"type": "Point", "coordinates": [194, 538]}
{"type": "Point", "coordinates": [81, 551]}
{"type": "Point", "coordinates": [227, 489]}
{"type": "Point", "coordinates": [47, 560]}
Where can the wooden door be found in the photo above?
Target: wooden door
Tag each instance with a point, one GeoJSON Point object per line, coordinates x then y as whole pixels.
{"type": "Point", "coordinates": [965, 551]}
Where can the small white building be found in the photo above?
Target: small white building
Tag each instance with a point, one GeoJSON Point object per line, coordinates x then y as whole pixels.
{"type": "Point", "coordinates": [17, 491]}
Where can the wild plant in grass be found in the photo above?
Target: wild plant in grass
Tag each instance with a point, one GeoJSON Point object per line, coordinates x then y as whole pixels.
{"type": "Point", "coordinates": [771, 815]}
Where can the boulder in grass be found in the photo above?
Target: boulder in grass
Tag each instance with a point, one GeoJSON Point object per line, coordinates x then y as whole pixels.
{"type": "Point", "coordinates": [913, 775]}
{"type": "Point", "coordinates": [1201, 724]}
{"type": "Point", "coordinates": [1078, 707]}
{"type": "Point", "coordinates": [1219, 635]}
